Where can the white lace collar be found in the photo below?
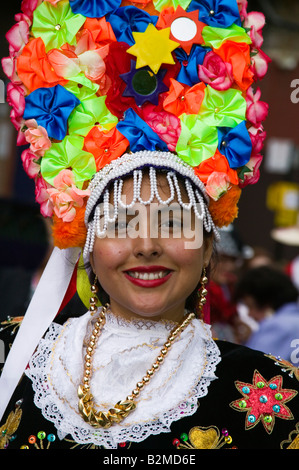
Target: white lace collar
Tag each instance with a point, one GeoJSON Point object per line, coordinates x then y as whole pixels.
{"type": "Point", "coordinates": [124, 352]}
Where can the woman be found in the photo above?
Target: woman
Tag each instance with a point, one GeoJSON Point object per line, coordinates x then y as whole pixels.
{"type": "Point", "coordinates": [146, 174]}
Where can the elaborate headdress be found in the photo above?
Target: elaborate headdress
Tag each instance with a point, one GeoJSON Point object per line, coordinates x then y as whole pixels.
{"type": "Point", "coordinates": [107, 87]}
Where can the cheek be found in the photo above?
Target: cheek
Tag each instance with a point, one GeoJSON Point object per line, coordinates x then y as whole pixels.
{"type": "Point", "coordinates": [107, 256]}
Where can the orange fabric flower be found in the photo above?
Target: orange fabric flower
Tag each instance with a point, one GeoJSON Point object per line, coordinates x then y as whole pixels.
{"type": "Point", "coordinates": [238, 55]}
{"type": "Point", "coordinates": [105, 146]}
{"type": "Point", "coordinates": [34, 68]}
{"type": "Point", "coordinates": [183, 98]}
{"type": "Point", "coordinates": [101, 31]}
{"type": "Point", "coordinates": [225, 210]}
{"type": "Point", "coordinates": [218, 163]}
{"type": "Point", "coordinates": [71, 234]}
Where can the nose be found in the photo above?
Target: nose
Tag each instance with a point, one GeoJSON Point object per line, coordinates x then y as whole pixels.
{"type": "Point", "coordinates": [147, 247]}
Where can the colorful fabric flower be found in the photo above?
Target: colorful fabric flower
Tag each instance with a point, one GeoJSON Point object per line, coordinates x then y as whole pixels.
{"type": "Point", "coordinates": [61, 26]}
{"type": "Point", "coordinates": [166, 126]}
{"type": "Point", "coordinates": [37, 137]}
{"type": "Point", "coordinates": [65, 196]}
{"type": "Point", "coordinates": [257, 110]}
{"type": "Point", "coordinates": [82, 87]}
{"type": "Point", "coordinates": [250, 173]}
{"type": "Point", "coordinates": [218, 13]}
{"type": "Point", "coordinates": [51, 107]}
{"type": "Point", "coordinates": [31, 163]}
{"type": "Point", "coordinates": [235, 144]}
{"type": "Point", "coordinates": [68, 154]}
{"type": "Point", "coordinates": [215, 72]}
{"type": "Point", "coordinates": [100, 30]}
{"type": "Point", "coordinates": [126, 20]}
{"type": "Point", "coordinates": [91, 112]}
{"type": "Point", "coordinates": [18, 35]}
{"type": "Point", "coordinates": [215, 37]}
{"type": "Point", "coordinates": [254, 22]}
{"type": "Point", "coordinates": [94, 8]}
{"type": "Point", "coordinates": [223, 108]}
{"type": "Point", "coordinates": [105, 146]}
{"type": "Point", "coordinates": [259, 63]}
{"type": "Point", "coordinates": [139, 133]}
{"type": "Point", "coordinates": [42, 197]}
{"type": "Point", "coordinates": [217, 185]}
{"type": "Point", "coordinates": [188, 73]}
{"type": "Point", "coordinates": [160, 4]}
{"type": "Point", "coordinates": [237, 54]}
{"type": "Point", "coordinates": [34, 68]}
{"type": "Point", "coordinates": [257, 136]}
{"type": "Point", "coordinates": [182, 99]}
{"type": "Point", "coordinates": [197, 141]}
{"type": "Point", "coordinates": [9, 65]}
{"type": "Point", "coordinates": [218, 163]}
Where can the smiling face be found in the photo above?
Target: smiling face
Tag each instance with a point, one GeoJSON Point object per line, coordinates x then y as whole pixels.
{"type": "Point", "coordinates": [149, 268]}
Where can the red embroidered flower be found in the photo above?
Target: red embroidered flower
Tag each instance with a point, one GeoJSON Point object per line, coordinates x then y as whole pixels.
{"type": "Point", "coordinates": [263, 401]}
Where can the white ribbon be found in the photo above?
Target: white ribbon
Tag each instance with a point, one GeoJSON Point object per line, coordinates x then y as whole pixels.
{"type": "Point", "coordinates": [41, 311]}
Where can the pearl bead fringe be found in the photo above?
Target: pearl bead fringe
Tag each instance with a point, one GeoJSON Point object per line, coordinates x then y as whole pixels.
{"type": "Point", "coordinates": [133, 164]}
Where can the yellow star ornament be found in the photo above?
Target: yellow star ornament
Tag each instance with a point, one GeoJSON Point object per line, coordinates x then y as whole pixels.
{"type": "Point", "coordinates": [153, 48]}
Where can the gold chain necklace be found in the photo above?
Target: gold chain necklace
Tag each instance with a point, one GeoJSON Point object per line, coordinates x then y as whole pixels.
{"type": "Point", "coordinates": [101, 419]}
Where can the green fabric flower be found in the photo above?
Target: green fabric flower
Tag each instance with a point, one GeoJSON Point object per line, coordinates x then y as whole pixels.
{"type": "Point", "coordinates": [82, 87]}
{"type": "Point", "coordinates": [91, 112]}
{"type": "Point", "coordinates": [197, 140]}
{"type": "Point", "coordinates": [160, 4]}
{"type": "Point", "coordinates": [68, 154]}
{"type": "Point", "coordinates": [214, 37]}
{"type": "Point", "coordinates": [56, 25]}
{"type": "Point", "coordinates": [223, 108]}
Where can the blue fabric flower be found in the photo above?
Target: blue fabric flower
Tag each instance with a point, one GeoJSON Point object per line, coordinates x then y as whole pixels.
{"type": "Point", "coordinates": [139, 134]}
{"type": "Point", "coordinates": [94, 8]}
{"type": "Point", "coordinates": [126, 20]}
{"type": "Point", "coordinates": [188, 73]}
{"type": "Point", "coordinates": [235, 144]}
{"type": "Point", "coordinates": [51, 107]}
{"type": "Point", "coordinates": [217, 13]}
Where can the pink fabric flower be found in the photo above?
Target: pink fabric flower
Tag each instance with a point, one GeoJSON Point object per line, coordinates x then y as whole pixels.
{"type": "Point", "coordinates": [9, 65]}
{"type": "Point", "coordinates": [257, 110]}
{"type": "Point", "coordinates": [217, 184]}
{"type": "Point", "coordinates": [43, 198]}
{"type": "Point", "coordinates": [259, 63]}
{"type": "Point", "coordinates": [37, 137]}
{"type": "Point", "coordinates": [166, 125]}
{"type": "Point", "coordinates": [242, 5]}
{"type": "Point", "coordinates": [16, 97]}
{"type": "Point", "coordinates": [255, 21]}
{"type": "Point", "coordinates": [257, 137]}
{"type": "Point", "coordinates": [253, 175]}
{"type": "Point", "coordinates": [28, 7]}
{"type": "Point", "coordinates": [18, 35]}
{"type": "Point", "coordinates": [65, 196]}
{"type": "Point", "coordinates": [30, 163]}
{"type": "Point", "coordinates": [215, 72]}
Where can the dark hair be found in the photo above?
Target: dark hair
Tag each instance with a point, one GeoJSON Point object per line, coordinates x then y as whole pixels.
{"type": "Point", "coordinates": [268, 286]}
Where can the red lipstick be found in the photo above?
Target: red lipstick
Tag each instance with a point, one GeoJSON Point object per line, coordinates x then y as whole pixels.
{"type": "Point", "coordinates": [133, 275]}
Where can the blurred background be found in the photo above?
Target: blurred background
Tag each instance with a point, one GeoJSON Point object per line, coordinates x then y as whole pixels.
{"type": "Point", "coordinates": [271, 204]}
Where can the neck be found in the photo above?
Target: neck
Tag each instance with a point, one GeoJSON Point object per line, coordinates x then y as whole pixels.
{"type": "Point", "coordinates": [175, 314]}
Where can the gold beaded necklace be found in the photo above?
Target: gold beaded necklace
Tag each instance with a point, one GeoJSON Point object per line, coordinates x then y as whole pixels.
{"type": "Point", "coordinates": [101, 419]}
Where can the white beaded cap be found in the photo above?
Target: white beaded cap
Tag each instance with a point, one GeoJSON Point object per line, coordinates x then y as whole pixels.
{"type": "Point", "coordinates": [132, 164]}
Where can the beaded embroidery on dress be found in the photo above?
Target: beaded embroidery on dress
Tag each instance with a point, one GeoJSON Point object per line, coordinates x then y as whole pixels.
{"type": "Point", "coordinates": [56, 371]}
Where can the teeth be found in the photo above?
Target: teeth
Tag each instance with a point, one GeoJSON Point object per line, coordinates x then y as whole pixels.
{"type": "Point", "coordinates": [147, 276]}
